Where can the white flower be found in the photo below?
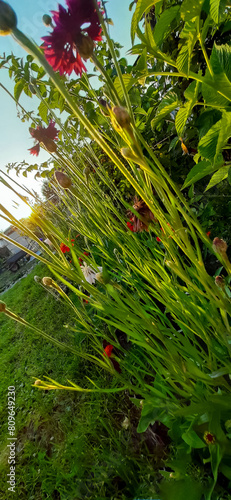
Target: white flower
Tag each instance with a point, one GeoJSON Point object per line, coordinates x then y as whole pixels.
{"type": "Point", "coordinates": [89, 273]}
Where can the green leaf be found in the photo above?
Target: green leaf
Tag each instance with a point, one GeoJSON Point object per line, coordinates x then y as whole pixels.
{"type": "Point", "coordinates": [199, 171]}
{"type": "Point", "coordinates": [43, 111]}
{"type": "Point", "coordinates": [184, 112]}
{"type": "Point", "coordinates": [219, 176]}
{"type": "Point", "coordinates": [128, 82]}
{"type": "Point", "coordinates": [163, 26]}
{"type": "Point", "coordinates": [18, 88]}
{"type": "Point", "coordinates": [193, 440]}
{"type": "Point", "coordinates": [185, 54]}
{"type": "Point", "coordinates": [217, 10]}
{"type": "Point", "coordinates": [212, 143]}
{"type": "Point", "coordinates": [142, 7]}
{"type": "Point", "coordinates": [167, 105]}
{"type": "Point", "coordinates": [191, 9]}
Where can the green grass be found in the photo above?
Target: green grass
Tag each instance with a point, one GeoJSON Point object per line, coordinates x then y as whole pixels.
{"type": "Point", "coordinates": [70, 446]}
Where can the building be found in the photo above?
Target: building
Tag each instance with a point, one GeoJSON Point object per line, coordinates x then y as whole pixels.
{"type": "Point", "coordinates": [14, 234]}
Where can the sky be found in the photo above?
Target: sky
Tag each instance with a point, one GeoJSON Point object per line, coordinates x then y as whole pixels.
{"type": "Point", "coordinates": [15, 138]}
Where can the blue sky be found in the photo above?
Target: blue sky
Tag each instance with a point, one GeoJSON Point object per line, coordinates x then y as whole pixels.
{"type": "Point", "coordinates": [14, 137]}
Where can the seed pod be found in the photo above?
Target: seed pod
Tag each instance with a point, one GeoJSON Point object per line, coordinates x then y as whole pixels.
{"type": "Point", "coordinates": [122, 116]}
{"type": "Point", "coordinates": [31, 88]}
{"type": "Point", "coordinates": [8, 19]}
{"type": "Point", "coordinates": [47, 20]}
{"type": "Point", "coordinates": [37, 382]}
{"type": "Point", "coordinates": [47, 281]}
{"type": "Point", "coordinates": [220, 282]}
{"type": "Point", "coordinates": [2, 306]}
{"type": "Point", "coordinates": [220, 246]}
{"type": "Point", "coordinates": [63, 180]}
{"type": "Point", "coordinates": [85, 46]}
{"type": "Point", "coordinates": [49, 145]}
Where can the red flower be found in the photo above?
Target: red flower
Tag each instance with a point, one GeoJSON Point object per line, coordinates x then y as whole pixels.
{"type": "Point", "coordinates": [130, 226]}
{"type": "Point", "coordinates": [80, 258]}
{"type": "Point", "coordinates": [108, 350]}
{"type": "Point", "coordinates": [73, 240]}
{"type": "Point", "coordinates": [158, 239]}
{"type": "Point", "coordinates": [64, 248]}
{"type": "Point", "coordinates": [46, 136]}
{"type": "Point", "coordinates": [208, 233]}
{"type": "Point", "coordinates": [69, 41]}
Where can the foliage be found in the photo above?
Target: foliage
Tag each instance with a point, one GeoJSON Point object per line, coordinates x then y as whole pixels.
{"type": "Point", "coordinates": [156, 287]}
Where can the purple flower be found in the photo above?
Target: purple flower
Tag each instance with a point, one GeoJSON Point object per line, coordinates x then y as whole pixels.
{"type": "Point", "coordinates": [73, 36]}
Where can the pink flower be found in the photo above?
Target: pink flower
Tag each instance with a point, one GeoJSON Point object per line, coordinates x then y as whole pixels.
{"type": "Point", "coordinates": [69, 41]}
{"type": "Point", "coordinates": [46, 136]}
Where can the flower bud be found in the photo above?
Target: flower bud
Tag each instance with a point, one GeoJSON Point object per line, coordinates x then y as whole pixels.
{"type": "Point", "coordinates": [46, 19]}
{"type": "Point", "coordinates": [47, 281]}
{"type": "Point", "coordinates": [2, 306]}
{"type": "Point", "coordinates": [37, 279]}
{"type": "Point", "coordinates": [122, 116]}
{"type": "Point", "coordinates": [85, 46]}
{"type": "Point", "coordinates": [31, 88]}
{"type": "Point", "coordinates": [220, 246]}
{"type": "Point", "coordinates": [63, 180]}
{"type": "Point", "coordinates": [220, 282]}
{"type": "Point", "coordinates": [8, 19]}
{"type": "Point", "coordinates": [87, 171]}
{"type": "Point", "coordinates": [37, 382]}
{"type": "Point", "coordinates": [49, 145]}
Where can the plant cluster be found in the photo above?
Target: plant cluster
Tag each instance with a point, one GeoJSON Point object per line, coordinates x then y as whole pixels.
{"type": "Point", "coordinates": [143, 266]}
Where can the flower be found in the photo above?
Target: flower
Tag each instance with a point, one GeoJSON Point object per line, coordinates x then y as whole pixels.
{"type": "Point", "coordinates": [64, 248]}
{"type": "Point", "coordinates": [63, 180]}
{"type": "Point", "coordinates": [158, 239]}
{"type": "Point", "coordinates": [145, 214]}
{"type": "Point", "coordinates": [70, 40]}
{"type": "Point", "coordinates": [183, 147]}
{"type": "Point", "coordinates": [84, 253]}
{"type": "Point", "coordinates": [209, 437]}
{"type": "Point", "coordinates": [89, 273]}
{"type": "Point", "coordinates": [46, 136]}
{"type": "Point", "coordinates": [208, 233]}
{"type": "Point", "coordinates": [108, 350]}
{"type": "Point", "coordinates": [130, 226]}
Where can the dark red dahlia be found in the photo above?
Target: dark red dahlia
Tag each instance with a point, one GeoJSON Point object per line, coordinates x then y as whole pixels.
{"type": "Point", "coordinates": [73, 36]}
{"type": "Point", "coordinates": [46, 136]}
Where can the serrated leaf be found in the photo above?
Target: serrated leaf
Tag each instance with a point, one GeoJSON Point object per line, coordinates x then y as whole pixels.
{"type": "Point", "coordinates": [128, 82]}
{"type": "Point", "coordinates": [185, 54]}
{"type": "Point", "coordinates": [212, 143]}
{"type": "Point", "coordinates": [163, 113]}
{"type": "Point", "coordinates": [196, 173]}
{"type": "Point", "coordinates": [217, 10]}
{"type": "Point", "coordinates": [163, 26]}
{"type": "Point", "coordinates": [219, 176]}
{"type": "Point", "coordinates": [18, 88]}
{"type": "Point", "coordinates": [43, 111]}
{"type": "Point", "coordinates": [142, 7]}
{"type": "Point", "coordinates": [185, 111]}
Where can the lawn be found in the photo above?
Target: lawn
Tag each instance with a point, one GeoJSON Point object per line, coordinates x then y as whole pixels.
{"type": "Point", "coordinates": [69, 445]}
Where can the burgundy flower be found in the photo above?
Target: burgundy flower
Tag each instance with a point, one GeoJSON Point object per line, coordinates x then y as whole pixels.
{"type": "Point", "coordinates": [46, 136]}
{"type": "Point", "coordinates": [145, 213]}
{"type": "Point", "coordinates": [70, 39]}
